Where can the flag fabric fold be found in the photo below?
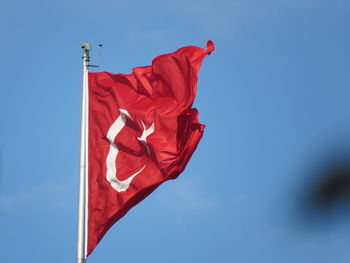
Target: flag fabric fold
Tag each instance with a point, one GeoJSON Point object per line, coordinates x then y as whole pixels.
{"type": "Point", "coordinates": [142, 132]}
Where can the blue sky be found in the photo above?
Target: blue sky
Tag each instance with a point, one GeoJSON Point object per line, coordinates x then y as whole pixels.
{"type": "Point", "coordinates": [274, 96]}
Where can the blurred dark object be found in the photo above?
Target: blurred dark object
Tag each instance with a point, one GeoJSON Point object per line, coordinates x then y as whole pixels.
{"type": "Point", "coordinates": [326, 193]}
{"type": "Point", "coordinates": [323, 195]}
{"type": "Point", "coordinates": [332, 187]}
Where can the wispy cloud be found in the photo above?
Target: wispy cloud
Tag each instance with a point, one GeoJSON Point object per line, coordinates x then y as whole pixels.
{"type": "Point", "coordinates": [0, 167]}
{"type": "Point", "coordinates": [184, 196]}
{"type": "Point", "coordinates": [222, 18]}
{"type": "Point", "coordinates": [48, 195]}
{"type": "Point", "coordinates": [191, 197]}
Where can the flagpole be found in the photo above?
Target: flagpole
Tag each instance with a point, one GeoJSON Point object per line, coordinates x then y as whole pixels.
{"type": "Point", "coordinates": [82, 205]}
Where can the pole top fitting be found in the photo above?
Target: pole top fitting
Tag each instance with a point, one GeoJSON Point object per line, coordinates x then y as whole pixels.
{"type": "Point", "coordinates": [86, 46]}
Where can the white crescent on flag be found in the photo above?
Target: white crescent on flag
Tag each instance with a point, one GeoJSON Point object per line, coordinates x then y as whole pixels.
{"type": "Point", "coordinates": [113, 131]}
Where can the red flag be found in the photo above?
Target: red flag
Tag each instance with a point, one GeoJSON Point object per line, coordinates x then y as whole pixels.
{"type": "Point", "coordinates": [142, 132]}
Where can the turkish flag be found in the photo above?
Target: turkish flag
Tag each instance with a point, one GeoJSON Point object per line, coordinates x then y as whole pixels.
{"type": "Point", "coordinates": [142, 132]}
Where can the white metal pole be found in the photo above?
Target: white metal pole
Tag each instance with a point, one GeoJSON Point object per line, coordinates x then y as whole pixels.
{"type": "Point", "coordinates": [82, 205]}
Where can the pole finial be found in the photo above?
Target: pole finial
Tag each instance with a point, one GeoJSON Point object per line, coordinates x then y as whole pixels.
{"type": "Point", "coordinates": [86, 46]}
{"type": "Point", "coordinates": [86, 57]}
